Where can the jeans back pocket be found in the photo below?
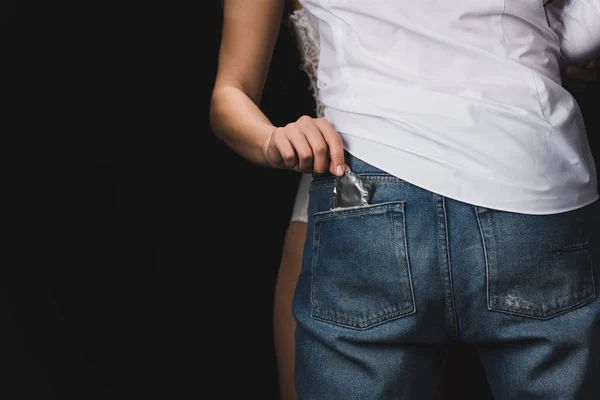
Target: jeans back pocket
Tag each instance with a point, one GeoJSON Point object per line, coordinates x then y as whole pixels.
{"type": "Point", "coordinates": [360, 268]}
{"type": "Point", "coordinates": [538, 266]}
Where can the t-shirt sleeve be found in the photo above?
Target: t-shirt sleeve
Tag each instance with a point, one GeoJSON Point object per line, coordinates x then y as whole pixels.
{"type": "Point", "coordinates": [577, 25]}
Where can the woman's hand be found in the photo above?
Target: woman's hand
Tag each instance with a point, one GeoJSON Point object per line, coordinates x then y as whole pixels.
{"type": "Point", "coordinates": [578, 78]}
{"type": "Point", "coordinates": [307, 145]}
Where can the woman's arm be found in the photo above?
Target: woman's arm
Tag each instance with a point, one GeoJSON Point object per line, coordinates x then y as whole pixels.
{"type": "Point", "coordinates": [250, 30]}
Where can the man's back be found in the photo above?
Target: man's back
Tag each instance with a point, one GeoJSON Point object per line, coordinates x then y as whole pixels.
{"type": "Point", "coordinates": [461, 98]}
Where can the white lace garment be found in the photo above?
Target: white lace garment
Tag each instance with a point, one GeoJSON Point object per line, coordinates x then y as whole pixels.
{"type": "Point", "coordinates": [308, 42]}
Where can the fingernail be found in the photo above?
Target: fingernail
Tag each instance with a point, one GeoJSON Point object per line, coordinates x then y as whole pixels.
{"type": "Point", "coordinates": [339, 170]}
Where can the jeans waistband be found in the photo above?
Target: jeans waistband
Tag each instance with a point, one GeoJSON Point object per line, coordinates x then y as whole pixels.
{"type": "Point", "coordinates": [356, 165]}
{"type": "Point", "coordinates": [359, 166]}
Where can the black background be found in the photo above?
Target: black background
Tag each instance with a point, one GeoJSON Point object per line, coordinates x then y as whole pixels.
{"type": "Point", "coordinates": [150, 249]}
{"type": "Point", "coordinates": [147, 252]}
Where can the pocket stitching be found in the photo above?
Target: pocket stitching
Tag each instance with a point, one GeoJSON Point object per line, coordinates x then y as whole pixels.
{"type": "Point", "coordinates": [320, 180]}
{"type": "Point", "coordinates": [359, 210]}
{"type": "Point", "coordinates": [587, 295]}
{"type": "Point", "coordinates": [490, 288]}
{"type": "Point", "coordinates": [401, 309]}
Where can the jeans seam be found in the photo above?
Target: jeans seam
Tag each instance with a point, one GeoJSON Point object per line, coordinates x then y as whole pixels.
{"type": "Point", "coordinates": [377, 177]}
{"type": "Point", "coordinates": [449, 269]}
{"type": "Point", "coordinates": [492, 285]}
{"type": "Point", "coordinates": [315, 255]}
{"type": "Point", "coordinates": [408, 265]}
{"type": "Point", "coordinates": [444, 254]}
{"type": "Point", "coordinates": [485, 256]}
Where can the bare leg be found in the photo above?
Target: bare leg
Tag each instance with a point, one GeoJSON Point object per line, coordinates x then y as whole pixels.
{"type": "Point", "coordinates": [283, 320]}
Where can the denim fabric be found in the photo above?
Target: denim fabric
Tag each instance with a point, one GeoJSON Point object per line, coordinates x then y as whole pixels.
{"type": "Point", "coordinates": [385, 286]}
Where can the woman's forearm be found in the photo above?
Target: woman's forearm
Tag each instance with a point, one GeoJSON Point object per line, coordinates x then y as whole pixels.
{"type": "Point", "coordinates": [250, 30]}
{"type": "Point", "coordinates": [239, 123]}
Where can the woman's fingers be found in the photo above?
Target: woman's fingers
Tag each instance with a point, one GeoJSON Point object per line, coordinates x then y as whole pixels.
{"type": "Point", "coordinates": [308, 144]}
{"type": "Point", "coordinates": [337, 165]}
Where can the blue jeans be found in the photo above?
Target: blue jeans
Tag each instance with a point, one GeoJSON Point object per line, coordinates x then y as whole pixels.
{"type": "Point", "coordinates": [383, 287]}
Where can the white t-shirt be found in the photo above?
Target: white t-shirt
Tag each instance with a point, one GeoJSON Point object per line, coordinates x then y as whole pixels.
{"type": "Point", "coordinates": [463, 98]}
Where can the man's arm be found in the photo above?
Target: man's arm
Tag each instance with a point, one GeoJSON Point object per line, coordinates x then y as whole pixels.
{"type": "Point", "coordinates": [577, 24]}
